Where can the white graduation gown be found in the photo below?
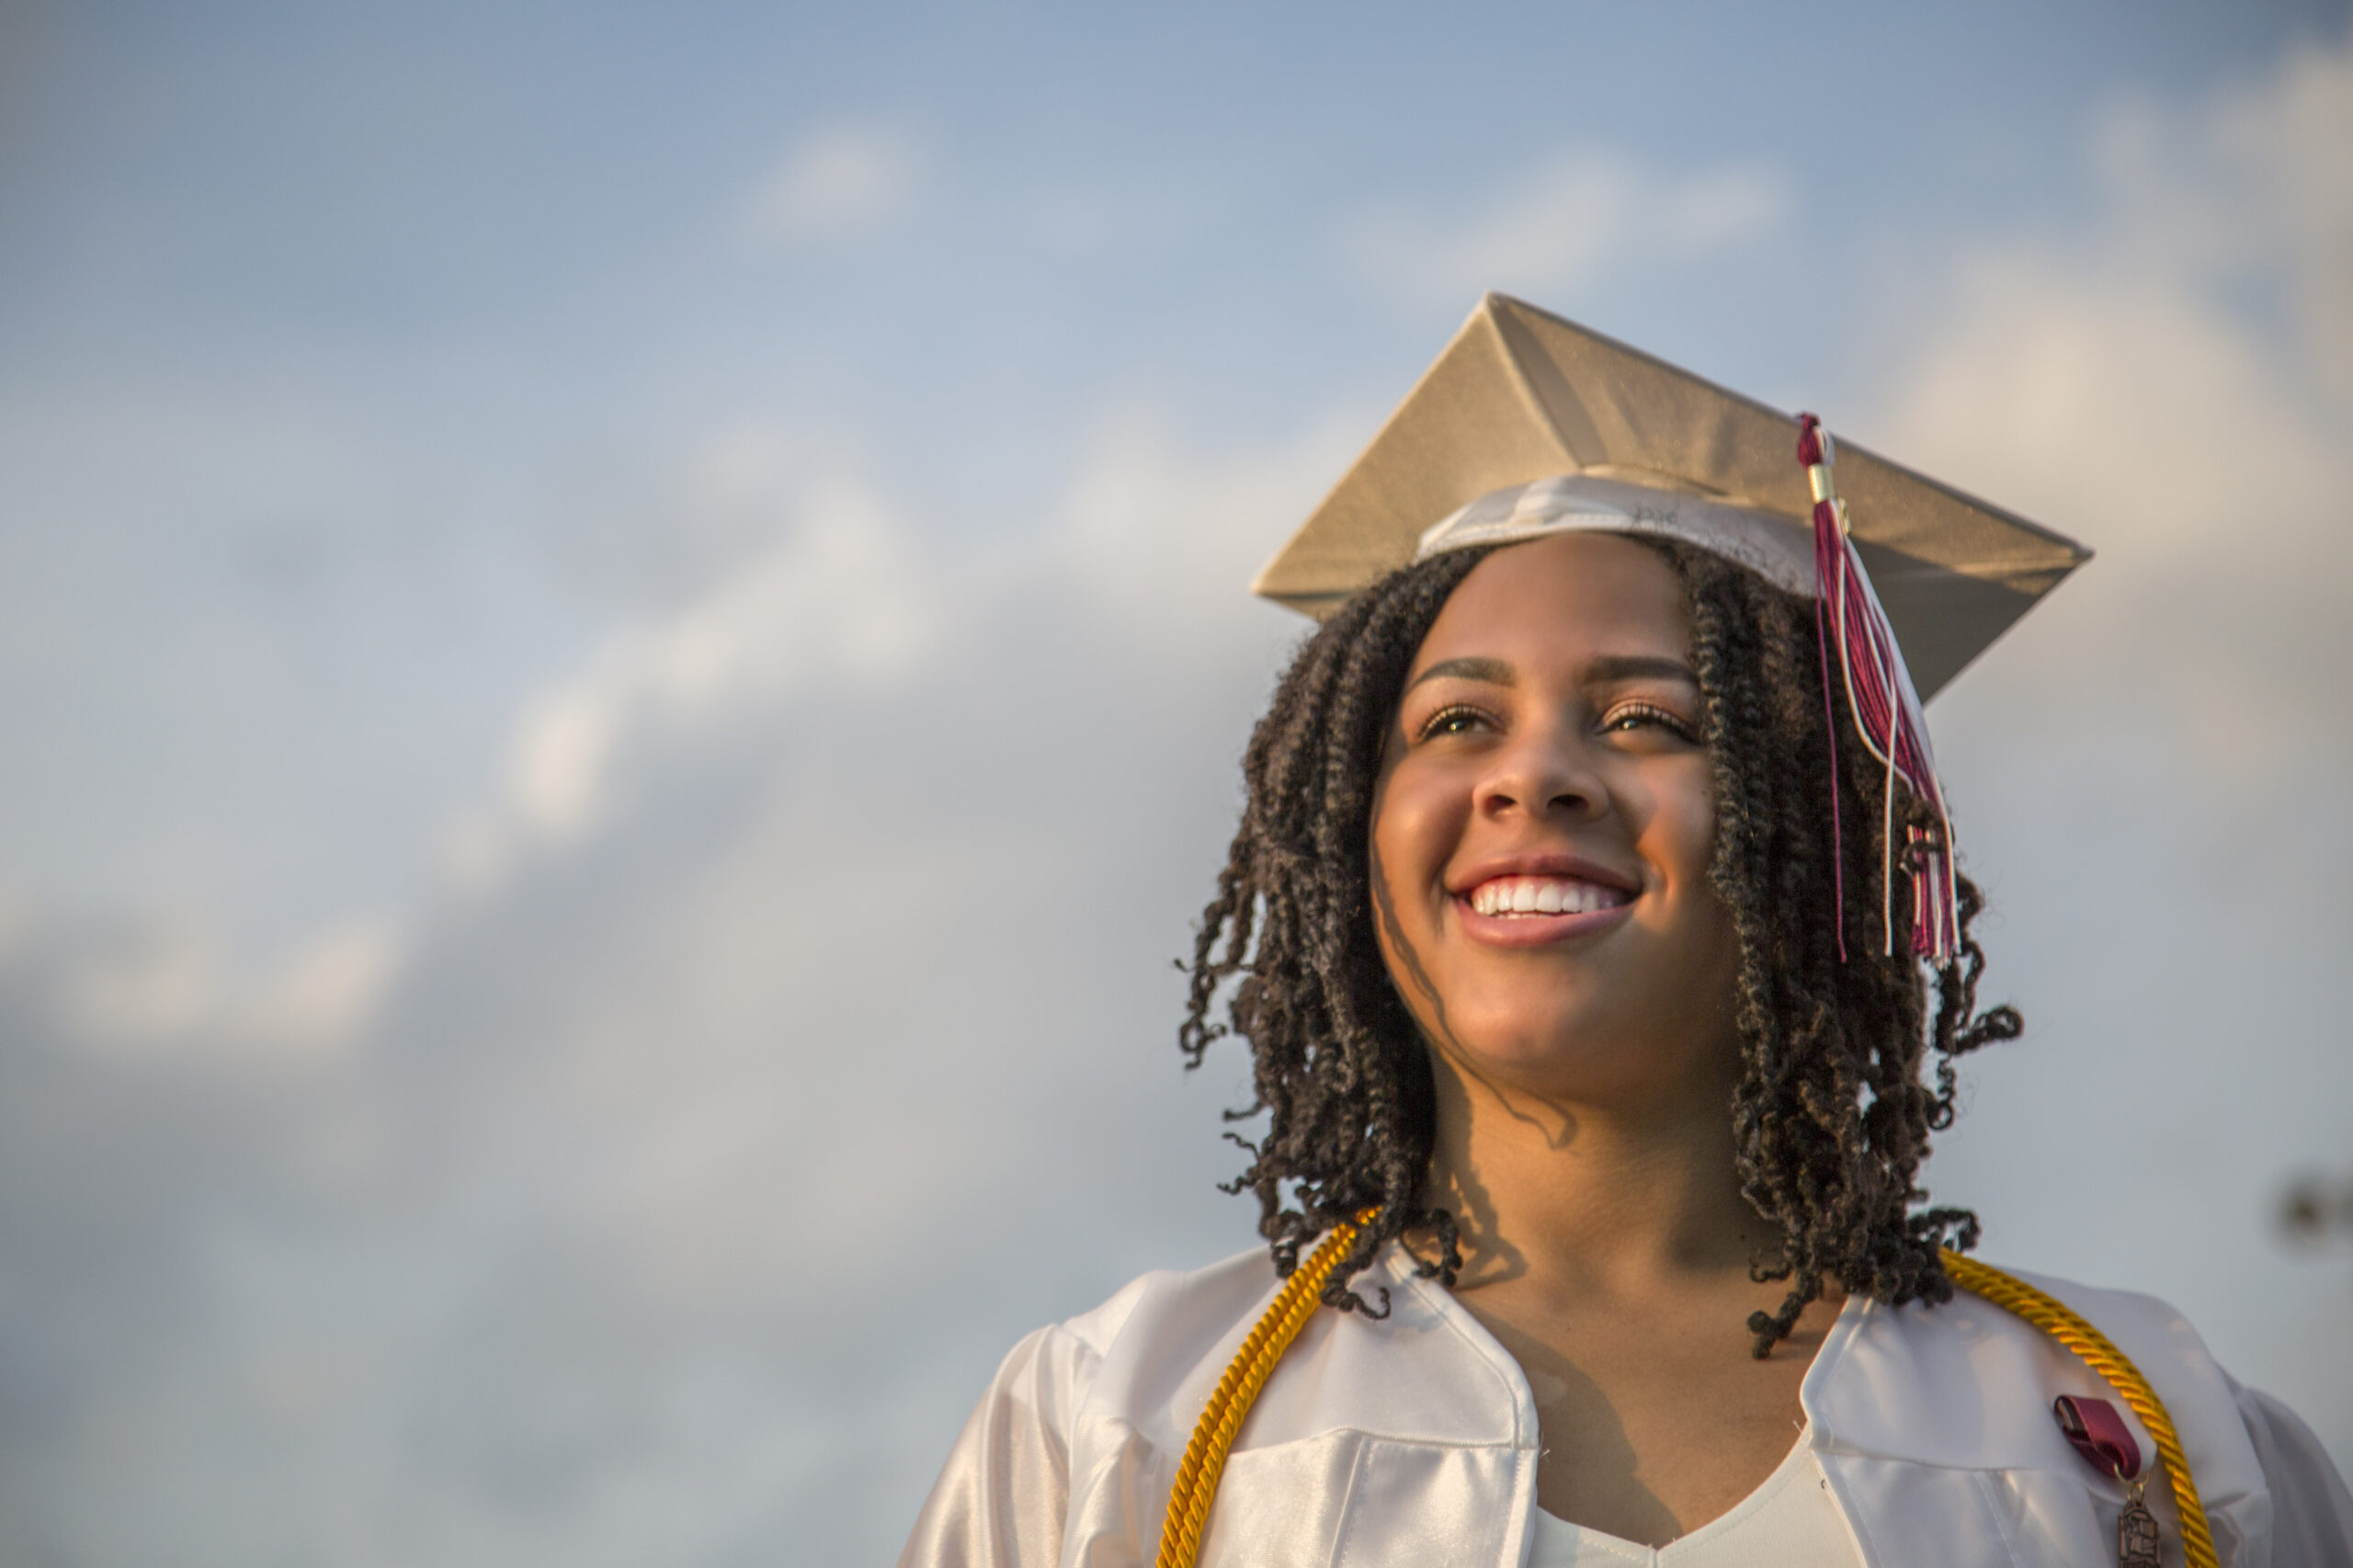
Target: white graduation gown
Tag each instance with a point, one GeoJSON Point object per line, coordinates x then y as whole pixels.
{"type": "Point", "coordinates": [1412, 1441]}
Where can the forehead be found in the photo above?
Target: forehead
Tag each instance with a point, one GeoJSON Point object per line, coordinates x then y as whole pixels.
{"type": "Point", "coordinates": [1564, 597]}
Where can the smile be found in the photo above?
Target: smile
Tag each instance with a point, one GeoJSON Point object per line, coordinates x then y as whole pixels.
{"type": "Point", "coordinates": [1509, 896]}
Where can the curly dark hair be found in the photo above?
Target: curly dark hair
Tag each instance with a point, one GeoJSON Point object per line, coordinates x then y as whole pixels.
{"type": "Point", "coordinates": [1833, 1111]}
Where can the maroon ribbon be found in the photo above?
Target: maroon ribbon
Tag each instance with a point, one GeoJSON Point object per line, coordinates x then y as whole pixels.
{"type": "Point", "coordinates": [2099, 1433]}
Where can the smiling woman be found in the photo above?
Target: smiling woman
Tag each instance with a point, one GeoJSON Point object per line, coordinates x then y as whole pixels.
{"type": "Point", "coordinates": [1599, 1048]}
{"type": "Point", "coordinates": [1543, 823]}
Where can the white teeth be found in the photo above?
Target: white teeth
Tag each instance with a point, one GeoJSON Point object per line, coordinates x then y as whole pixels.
{"type": "Point", "coordinates": [1543, 895]}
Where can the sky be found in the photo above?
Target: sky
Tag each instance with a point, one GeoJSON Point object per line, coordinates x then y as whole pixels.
{"type": "Point", "coordinates": [623, 657]}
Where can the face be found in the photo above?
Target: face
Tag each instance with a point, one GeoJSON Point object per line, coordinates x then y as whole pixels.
{"type": "Point", "coordinates": [1542, 830]}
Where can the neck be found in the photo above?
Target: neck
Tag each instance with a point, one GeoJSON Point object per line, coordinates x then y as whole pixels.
{"type": "Point", "coordinates": [1590, 1198]}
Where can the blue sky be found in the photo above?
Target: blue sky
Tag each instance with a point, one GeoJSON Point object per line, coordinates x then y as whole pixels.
{"type": "Point", "coordinates": [622, 646]}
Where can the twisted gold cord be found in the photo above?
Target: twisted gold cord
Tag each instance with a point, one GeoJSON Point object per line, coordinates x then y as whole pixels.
{"type": "Point", "coordinates": [1204, 1461]}
{"type": "Point", "coordinates": [2054, 1319]}
{"type": "Point", "coordinates": [1197, 1477]}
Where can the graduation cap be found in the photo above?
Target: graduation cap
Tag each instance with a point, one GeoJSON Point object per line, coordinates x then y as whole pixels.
{"type": "Point", "coordinates": [1522, 396]}
{"type": "Point", "coordinates": [1529, 425]}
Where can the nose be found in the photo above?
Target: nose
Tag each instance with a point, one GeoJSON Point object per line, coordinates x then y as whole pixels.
{"type": "Point", "coordinates": [1545, 771]}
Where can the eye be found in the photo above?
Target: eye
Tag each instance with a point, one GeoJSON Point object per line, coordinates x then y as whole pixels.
{"type": "Point", "coordinates": [1627, 717]}
{"type": "Point", "coordinates": [1454, 719]}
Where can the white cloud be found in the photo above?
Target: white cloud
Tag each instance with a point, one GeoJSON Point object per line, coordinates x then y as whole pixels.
{"type": "Point", "coordinates": [838, 589]}
{"type": "Point", "coordinates": [633, 1232]}
{"type": "Point", "coordinates": [330, 991]}
{"type": "Point", "coordinates": [841, 183]}
{"type": "Point", "coordinates": [166, 981]}
{"type": "Point", "coordinates": [2121, 404]}
{"type": "Point", "coordinates": [2131, 382]}
{"type": "Point", "coordinates": [1558, 227]}
{"type": "Point", "coordinates": [1165, 537]}
{"type": "Point", "coordinates": [2254, 184]}
{"type": "Point", "coordinates": [144, 981]}
{"type": "Point", "coordinates": [1151, 536]}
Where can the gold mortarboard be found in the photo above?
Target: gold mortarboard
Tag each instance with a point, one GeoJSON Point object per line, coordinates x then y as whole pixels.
{"type": "Point", "coordinates": [1528, 422]}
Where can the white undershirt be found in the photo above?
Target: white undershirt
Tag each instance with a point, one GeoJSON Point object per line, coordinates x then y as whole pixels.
{"type": "Point", "coordinates": [1789, 1522]}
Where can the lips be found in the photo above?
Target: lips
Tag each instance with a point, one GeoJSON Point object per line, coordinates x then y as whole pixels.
{"type": "Point", "coordinates": [1514, 896]}
{"type": "Point", "coordinates": [1526, 900]}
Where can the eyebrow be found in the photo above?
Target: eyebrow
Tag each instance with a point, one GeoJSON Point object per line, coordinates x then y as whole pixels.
{"type": "Point", "coordinates": [1606, 670]}
{"type": "Point", "coordinates": [1495, 672]}
{"type": "Point", "coordinates": [1640, 666]}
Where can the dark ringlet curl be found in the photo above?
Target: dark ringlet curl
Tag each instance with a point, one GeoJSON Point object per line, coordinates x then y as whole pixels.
{"type": "Point", "coordinates": [1832, 1115]}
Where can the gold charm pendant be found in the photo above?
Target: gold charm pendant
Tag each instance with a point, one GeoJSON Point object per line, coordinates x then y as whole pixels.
{"type": "Point", "coordinates": [2099, 1433]}
{"type": "Point", "coordinates": [2136, 1533]}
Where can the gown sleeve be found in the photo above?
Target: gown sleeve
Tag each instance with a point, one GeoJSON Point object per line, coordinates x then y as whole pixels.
{"type": "Point", "coordinates": [2311, 1519]}
{"type": "Point", "coordinates": [1001, 1499]}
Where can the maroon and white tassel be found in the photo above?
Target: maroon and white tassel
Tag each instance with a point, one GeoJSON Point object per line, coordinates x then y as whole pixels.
{"type": "Point", "coordinates": [1887, 713]}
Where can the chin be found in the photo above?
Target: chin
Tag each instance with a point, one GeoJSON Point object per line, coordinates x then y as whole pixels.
{"type": "Point", "coordinates": [1586, 1052]}
{"type": "Point", "coordinates": [1545, 1056]}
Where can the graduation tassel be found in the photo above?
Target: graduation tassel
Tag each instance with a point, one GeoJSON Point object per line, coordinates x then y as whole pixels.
{"type": "Point", "coordinates": [1887, 715]}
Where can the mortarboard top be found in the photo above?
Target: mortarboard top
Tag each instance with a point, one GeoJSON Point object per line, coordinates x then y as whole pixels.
{"type": "Point", "coordinates": [1520, 396]}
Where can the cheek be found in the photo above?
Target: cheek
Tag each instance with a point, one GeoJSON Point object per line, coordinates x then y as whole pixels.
{"type": "Point", "coordinates": [1676, 829]}
{"type": "Point", "coordinates": [1417, 822]}
{"type": "Point", "coordinates": [1687, 826]}
{"type": "Point", "coordinates": [1414, 828]}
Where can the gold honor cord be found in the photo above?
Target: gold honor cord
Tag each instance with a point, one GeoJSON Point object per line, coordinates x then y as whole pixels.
{"type": "Point", "coordinates": [2054, 1319]}
{"type": "Point", "coordinates": [1197, 1477]}
{"type": "Point", "coordinates": [1204, 1462]}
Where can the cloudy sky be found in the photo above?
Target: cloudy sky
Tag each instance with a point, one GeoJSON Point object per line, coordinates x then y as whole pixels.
{"type": "Point", "coordinates": [622, 657]}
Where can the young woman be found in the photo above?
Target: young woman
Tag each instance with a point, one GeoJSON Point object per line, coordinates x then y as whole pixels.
{"type": "Point", "coordinates": [1594, 928]}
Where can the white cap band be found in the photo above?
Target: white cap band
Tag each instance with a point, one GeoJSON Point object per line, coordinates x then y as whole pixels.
{"type": "Point", "coordinates": [1777, 548]}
